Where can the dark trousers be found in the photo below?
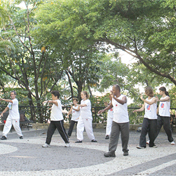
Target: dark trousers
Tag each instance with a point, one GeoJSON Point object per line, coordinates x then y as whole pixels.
{"type": "Point", "coordinates": [72, 123]}
{"type": "Point", "coordinates": [60, 127]}
{"type": "Point", "coordinates": [165, 122]}
{"type": "Point", "coordinates": [148, 126]}
{"type": "Point", "coordinates": [116, 129]}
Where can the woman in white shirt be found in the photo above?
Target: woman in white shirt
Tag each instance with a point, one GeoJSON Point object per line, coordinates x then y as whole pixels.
{"type": "Point", "coordinates": [75, 111]}
{"type": "Point", "coordinates": [57, 122]}
{"type": "Point", "coordinates": [164, 114]}
{"type": "Point", "coordinates": [85, 119]}
{"type": "Point", "coordinates": [150, 119]}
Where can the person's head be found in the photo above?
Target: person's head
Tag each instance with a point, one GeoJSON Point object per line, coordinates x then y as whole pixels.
{"type": "Point", "coordinates": [149, 91]}
{"type": "Point", "coordinates": [75, 101]}
{"type": "Point", "coordinates": [55, 94]}
{"type": "Point", "coordinates": [116, 89]}
{"type": "Point", "coordinates": [13, 94]}
{"type": "Point", "coordinates": [162, 91]}
{"type": "Point", "coordinates": [84, 95]}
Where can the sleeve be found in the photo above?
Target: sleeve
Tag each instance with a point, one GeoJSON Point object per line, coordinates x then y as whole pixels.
{"type": "Point", "coordinates": [15, 101]}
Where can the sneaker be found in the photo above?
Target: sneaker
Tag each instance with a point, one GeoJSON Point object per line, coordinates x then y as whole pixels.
{"type": "Point", "coordinates": [125, 153]}
{"type": "Point", "coordinates": [139, 147]}
{"type": "Point", "coordinates": [107, 137]}
{"type": "Point", "coordinates": [21, 137]}
{"type": "Point", "coordinates": [45, 145]}
{"type": "Point", "coordinates": [78, 141]}
{"type": "Point", "coordinates": [172, 143]}
{"type": "Point", "coordinates": [148, 142]}
{"type": "Point", "coordinates": [93, 140]}
{"type": "Point", "coordinates": [110, 154]}
{"type": "Point", "coordinates": [3, 138]}
{"type": "Point", "coordinates": [67, 144]}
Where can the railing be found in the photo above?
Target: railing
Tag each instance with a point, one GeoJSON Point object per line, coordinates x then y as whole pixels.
{"type": "Point", "coordinates": [42, 114]}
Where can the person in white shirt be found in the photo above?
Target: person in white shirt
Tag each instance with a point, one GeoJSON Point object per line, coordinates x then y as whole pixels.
{"type": "Point", "coordinates": [149, 124]}
{"type": "Point", "coordinates": [56, 119]}
{"type": "Point", "coordinates": [85, 119]}
{"type": "Point", "coordinates": [120, 122]}
{"type": "Point", "coordinates": [13, 117]}
{"type": "Point", "coordinates": [75, 111]}
{"type": "Point", "coordinates": [164, 114]}
{"type": "Point", "coordinates": [109, 120]}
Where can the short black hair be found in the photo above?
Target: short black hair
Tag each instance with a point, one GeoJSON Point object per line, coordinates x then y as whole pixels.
{"type": "Point", "coordinates": [13, 92]}
{"type": "Point", "coordinates": [56, 93]}
{"type": "Point", "coordinates": [117, 87]}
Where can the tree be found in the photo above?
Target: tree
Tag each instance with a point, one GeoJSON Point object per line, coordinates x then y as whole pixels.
{"type": "Point", "coordinates": [143, 29]}
{"type": "Point", "coordinates": [34, 67]}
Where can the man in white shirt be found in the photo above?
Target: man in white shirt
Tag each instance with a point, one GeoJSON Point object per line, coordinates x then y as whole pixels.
{"type": "Point", "coordinates": [13, 117]}
{"type": "Point", "coordinates": [120, 122]}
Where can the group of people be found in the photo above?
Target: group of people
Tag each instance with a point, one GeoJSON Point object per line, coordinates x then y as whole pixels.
{"type": "Point", "coordinates": [117, 119]}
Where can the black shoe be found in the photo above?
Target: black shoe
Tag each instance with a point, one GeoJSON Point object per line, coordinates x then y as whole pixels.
{"type": "Point", "coordinates": [78, 142]}
{"type": "Point", "coordinates": [110, 154]}
{"type": "Point", "coordinates": [125, 153]}
{"type": "Point", "coordinates": [93, 140]}
{"type": "Point", "coordinates": [3, 138]}
{"type": "Point", "coordinates": [21, 137]}
{"type": "Point", "coordinates": [107, 137]}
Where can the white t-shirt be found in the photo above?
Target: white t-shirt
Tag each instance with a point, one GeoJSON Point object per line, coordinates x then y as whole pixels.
{"type": "Point", "coordinates": [13, 110]}
{"type": "Point", "coordinates": [120, 112]}
{"type": "Point", "coordinates": [85, 112]}
{"type": "Point", "coordinates": [164, 108]}
{"type": "Point", "coordinates": [150, 110]}
{"type": "Point", "coordinates": [75, 114]}
{"type": "Point", "coordinates": [56, 112]}
{"type": "Point", "coordinates": [110, 113]}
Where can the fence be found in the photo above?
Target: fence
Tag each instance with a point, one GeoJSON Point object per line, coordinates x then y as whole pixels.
{"type": "Point", "coordinates": [42, 114]}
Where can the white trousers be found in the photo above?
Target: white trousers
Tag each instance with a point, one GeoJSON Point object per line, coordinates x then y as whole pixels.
{"type": "Point", "coordinates": [8, 125]}
{"type": "Point", "coordinates": [109, 125]}
{"type": "Point", "coordinates": [87, 123]}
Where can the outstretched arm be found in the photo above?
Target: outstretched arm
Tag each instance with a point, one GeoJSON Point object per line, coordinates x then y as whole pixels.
{"type": "Point", "coordinates": [141, 109]}
{"type": "Point", "coordinates": [7, 100]}
{"type": "Point", "coordinates": [107, 108]}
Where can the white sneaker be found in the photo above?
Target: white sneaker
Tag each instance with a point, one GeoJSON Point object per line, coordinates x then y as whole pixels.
{"type": "Point", "coordinates": [45, 145]}
{"type": "Point", "coordinates": [148, 142]}
{"type": "Point", "coordinates": [67, 144]}
{"type": "Point", "coordinates": [172, 143]}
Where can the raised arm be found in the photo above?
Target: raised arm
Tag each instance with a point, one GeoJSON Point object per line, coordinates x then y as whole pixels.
{"type": "Point", "coordinates": [141, 109]}
{"type": "Point", "coordinates": [123, 101]}
{"type": "Point", "coordinates": [51, 101]}
{"type": "Point", "coordinates": [154, 100]}
{"type": "Point", "coordinates": [167, 98]}
{"type": "Point", "coordinates": [76, 109]}
{"type": "Point", "coordinates": [7, 100]}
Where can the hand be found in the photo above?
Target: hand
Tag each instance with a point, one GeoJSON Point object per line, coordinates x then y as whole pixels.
{"type": "Point", "coordinates": [134, 111]}
{"type": "Point", "coordinates": [1, 99]}
{"type": "Point", "coordinates": [67, 116]}
{"type": "Point", "coordinates": [141, 97]}
{"type": "Point", "coordinates": [157, 99]}
{"type": "Point", "coordinates": [111, 94]}
{"type": "Point", "coordinates": [101, 111]}
{"type": "Point", "coordinates": [1, 114]}
{"type": "Point", "coordinates": [45, 102]}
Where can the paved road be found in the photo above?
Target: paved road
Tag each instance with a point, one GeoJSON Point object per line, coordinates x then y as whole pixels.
{"type": "Point", "coordinates": [26, 157]}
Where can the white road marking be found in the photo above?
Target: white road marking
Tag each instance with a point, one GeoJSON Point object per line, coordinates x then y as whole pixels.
{"type": "Point", "coordinates": [157, 168]}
